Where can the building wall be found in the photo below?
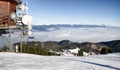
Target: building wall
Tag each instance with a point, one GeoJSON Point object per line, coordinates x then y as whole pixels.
{"type": "Point", "coordinates": [6, 8]}
{"type": "Point", "coordinates": [12, 9]}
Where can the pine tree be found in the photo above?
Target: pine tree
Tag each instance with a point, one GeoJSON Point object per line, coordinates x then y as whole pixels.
{"type": "Point", "coordinates": [104, 51]}
{"type": "Point", "coordinates": [80, 53]}
{"type": "Point", "coordinates": [110, 50]}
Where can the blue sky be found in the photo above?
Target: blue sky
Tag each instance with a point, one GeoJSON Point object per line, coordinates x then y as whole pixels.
{"type": "Point", "coordinates": [75, 12]}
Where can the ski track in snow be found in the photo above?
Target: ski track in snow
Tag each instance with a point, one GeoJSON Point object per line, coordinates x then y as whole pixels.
{"type": "Point", "coordinates": [20, 61]}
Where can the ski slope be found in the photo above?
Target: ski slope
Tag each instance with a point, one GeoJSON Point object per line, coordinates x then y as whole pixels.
{"type": "Point", "coordinates": [18, 61]}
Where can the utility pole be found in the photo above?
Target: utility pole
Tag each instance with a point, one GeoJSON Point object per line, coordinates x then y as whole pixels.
{"type": "Point", "coordinates": [10, 43]}
{"type": "Point", "coordinates": [21, 36]}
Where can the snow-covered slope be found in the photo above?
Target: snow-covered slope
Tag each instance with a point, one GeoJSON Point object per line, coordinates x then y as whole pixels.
{"type": "Point", "coordinates": [17, 61]}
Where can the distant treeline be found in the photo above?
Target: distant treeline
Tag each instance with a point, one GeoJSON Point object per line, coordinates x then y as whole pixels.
{"type": "Point", "coordinates": [45, 48]}
{"type": "Point", "coordinates": [31, 48]}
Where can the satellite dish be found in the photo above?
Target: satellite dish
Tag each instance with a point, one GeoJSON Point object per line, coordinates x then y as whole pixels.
{"type": "Point", "coordinates": [21, 7]}
{"type": "Point", "coordinates": [26, 13]}
{"type": "Point", "coordinates": [29, 27]}
{"type": "Point", "coordinates": [26, 8]}
{"type": "Point", "coordinates": [29, 33]}
{"type": "Point", "coordinates": [13, 16]}
{"type": "Point", "coordinates": [26, 19]}
{"type": "Point", "coordinates": [26, 3]}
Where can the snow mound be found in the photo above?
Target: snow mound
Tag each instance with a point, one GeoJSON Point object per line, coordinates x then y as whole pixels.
{"type": "Point", "coordinates": [20, 61]}
{"type": "Point", "coordinates": [74, 50]}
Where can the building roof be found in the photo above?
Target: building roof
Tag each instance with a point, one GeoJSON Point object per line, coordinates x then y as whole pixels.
{"type": "Point", "coordinates": [18, 1]}
{"type": "Point", "coordinates": [13, 1]}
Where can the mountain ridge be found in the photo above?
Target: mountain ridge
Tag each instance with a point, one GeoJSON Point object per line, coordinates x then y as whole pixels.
{"type": "Point", "coordinates": [59, 26]}
{"type": "Point", "coordinates": [85, 46]}
{"type": "Point", "coordinates": [114, 44]}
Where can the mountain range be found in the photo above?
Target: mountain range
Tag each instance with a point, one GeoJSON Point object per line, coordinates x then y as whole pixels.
{"type": "Point", "coordinates": [115, 44]}
{"type": "Point", "coordinates": [86, 37]}
{"type": "Point", "coordinates": [59, 26]}
{"type": "Point", "coordinates": [85, 46]}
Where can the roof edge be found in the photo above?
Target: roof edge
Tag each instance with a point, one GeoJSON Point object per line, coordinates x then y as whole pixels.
{"type": "Point", "coordinates": [18, 1]}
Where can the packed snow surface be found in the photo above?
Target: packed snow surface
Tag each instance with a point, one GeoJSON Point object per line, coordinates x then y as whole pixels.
{"type": "Point", "coordinates": [20, 61]}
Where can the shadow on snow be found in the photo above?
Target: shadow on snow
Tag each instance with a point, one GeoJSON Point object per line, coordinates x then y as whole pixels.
{"type": "Point", "coordinates": [103, 65]}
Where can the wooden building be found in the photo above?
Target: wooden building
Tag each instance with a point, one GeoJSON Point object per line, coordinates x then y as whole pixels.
{"type": "Point", "coordinates": [6, 8]}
